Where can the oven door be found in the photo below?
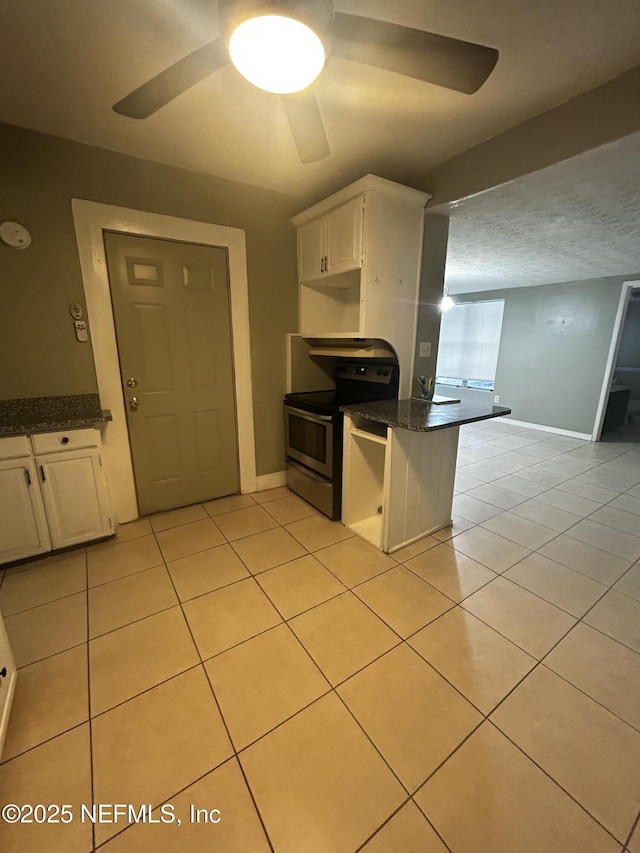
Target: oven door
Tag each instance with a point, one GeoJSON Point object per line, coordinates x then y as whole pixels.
{"type": "Point", "coordinates": [309, 439]}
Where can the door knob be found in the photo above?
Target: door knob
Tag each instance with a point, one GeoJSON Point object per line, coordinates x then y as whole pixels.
{"type": "Point", "coordinates": [134, 402]}
{"type": "Point", "coordinates": [132, 382]}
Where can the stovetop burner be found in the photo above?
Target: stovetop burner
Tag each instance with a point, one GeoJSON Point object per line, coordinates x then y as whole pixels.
{"type": "Point", "coordinates": [356, 382]}
{"type": "Point", "coordinates": [315, 401]}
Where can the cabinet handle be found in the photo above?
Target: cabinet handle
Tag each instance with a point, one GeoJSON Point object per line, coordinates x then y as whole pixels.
{"type": "Point", "coordinates": [27, 476]}
{"type": "Point", "coordinates": [64, 440]}
{"type": "Point", "coordinates": [3, 672]}
{"type": "Point", "coordinates": [326, 263]}
{"type": "Point", "coordinates": [321, 264]}
{"type": "Point", "coordinates": [42, 474]}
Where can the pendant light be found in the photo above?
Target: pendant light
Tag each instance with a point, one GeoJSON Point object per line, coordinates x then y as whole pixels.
{"type": "Point", "coordinates": [447, 302]}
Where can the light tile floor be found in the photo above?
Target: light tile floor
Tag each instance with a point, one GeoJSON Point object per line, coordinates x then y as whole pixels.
{"type": "Point", "coordinates": [477, 691]}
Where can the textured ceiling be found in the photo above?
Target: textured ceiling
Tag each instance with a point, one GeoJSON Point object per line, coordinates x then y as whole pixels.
{"type": "Point", "coordinates": [578, 219]}
{"type": "Point", "coordinates": [63, 64]}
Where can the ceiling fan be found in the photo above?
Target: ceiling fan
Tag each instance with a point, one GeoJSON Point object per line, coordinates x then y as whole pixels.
{"type": "Point", "coordinates": [444, 61]}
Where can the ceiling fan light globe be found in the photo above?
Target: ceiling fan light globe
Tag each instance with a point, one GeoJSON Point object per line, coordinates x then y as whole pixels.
{"type": "Point", "coordinates": [276, 53]}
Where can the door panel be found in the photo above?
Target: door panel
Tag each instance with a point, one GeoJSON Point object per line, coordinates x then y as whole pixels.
{"type": "Point", "coordinates": [162, 448]}
{"type": "Point", "coordinates": [200, 321]}
{"type": "Point", "coordinates": [172, 313]}
{"type": "Point", "coordinates": [156, 370]}
{"type": "Point", "coordinates": [208, 440]}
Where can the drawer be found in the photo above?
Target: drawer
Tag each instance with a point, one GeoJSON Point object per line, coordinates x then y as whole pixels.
{"type": "Point", "coordinates": [14, 446]}
{"type": "Point", "coordinates": [53, 442]}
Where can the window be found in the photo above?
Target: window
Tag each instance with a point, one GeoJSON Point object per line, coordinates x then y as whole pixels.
{"type": "Point", "coordinates": [469, 343]}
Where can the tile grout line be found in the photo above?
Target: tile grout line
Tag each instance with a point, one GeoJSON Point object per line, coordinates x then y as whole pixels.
{"type": "Point", "coordinates": [555, 781]}
{"type": "Point", "coordinates": [558, 533]}
{"type": "Point", "coordinates": [634, 826]}
{"type": "Point", "coordinates": [351, 589]}
{"type": "Point", "coordinates": [88, 651]}
{"type": "Point", "coordinates": [222, 717]}
{"type": "Point", "coordinates": [394, 814]}
{"type": "Point", "coordinates": [286, 622]}
{"type": "Point", "coordinates": [332, 688]}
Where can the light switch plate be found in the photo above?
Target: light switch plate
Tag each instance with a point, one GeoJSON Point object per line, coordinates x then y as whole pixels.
{"type": "Point", "coordinates": [425, 349]}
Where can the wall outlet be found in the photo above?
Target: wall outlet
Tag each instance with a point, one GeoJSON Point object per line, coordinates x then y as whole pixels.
{"type": "Point", "coordinates": [496, 399]}
{"type": "Point", "coordinates": [425, 349]}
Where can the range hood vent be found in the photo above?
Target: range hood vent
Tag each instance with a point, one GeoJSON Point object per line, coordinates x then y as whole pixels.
{"type": "Point", "coordinates": [351, 347]}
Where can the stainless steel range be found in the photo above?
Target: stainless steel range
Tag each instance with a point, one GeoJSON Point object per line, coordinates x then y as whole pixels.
{"type": "Point", "coordinates": [313, 429]}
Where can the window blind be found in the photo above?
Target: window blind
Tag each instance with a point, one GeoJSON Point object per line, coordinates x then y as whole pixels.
{"type": "Point", "coordinates": [470, 340]}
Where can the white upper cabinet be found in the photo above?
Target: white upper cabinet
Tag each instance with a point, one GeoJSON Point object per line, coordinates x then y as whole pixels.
{"type": "Point", "coordinates": [344, 236]}
{"type": "Point", "coordinates": [359, 260]}
{"type": "Point", "coordinates": [312, 248]}
{"type": "Point", "coordinates": [331, 243]}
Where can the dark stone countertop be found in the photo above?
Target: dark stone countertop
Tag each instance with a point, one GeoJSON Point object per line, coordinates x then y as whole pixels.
{"type": "Point", "coordinates": [46, 414]}
{"type": "Point", "coordinates": [423, 416]}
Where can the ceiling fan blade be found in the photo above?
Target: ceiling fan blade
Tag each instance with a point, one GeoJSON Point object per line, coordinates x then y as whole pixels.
{"type": "Point", "coordinates": [173, 81]}
{"type": "Point", "coordinates": [448, 62]}
{"type": "Point", "coordinates": [307, 127]}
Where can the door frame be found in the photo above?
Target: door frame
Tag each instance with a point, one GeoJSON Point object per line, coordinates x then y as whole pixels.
{"type": "Point", "coordinates": [90, 220]}
{"type": "Point", "coordinates": [610, 368]}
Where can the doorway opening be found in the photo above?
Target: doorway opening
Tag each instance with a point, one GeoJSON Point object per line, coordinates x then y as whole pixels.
{"type": "Point", "coordinates": [173, 325]}
{"type": "Point", "coordinates": [91, 219]}
{"type": "Point", "coordinates": [618, 415]}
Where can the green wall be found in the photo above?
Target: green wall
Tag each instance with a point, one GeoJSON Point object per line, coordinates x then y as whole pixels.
{"type": "Point", "coordinates": [553, 351]}
{"type": "Point", "coordinates": [39, 175]}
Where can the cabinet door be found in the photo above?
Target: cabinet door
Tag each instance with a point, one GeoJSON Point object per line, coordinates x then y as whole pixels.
{"type": "Point", "coordinates": [23, 527]}
{"type": "Point", "coordinates": [312, 249]}
{"type": "Point", "coordinates": [7, 682]}
{"type": "Point", "coordinates": [344, 236]}
{"type": "Point", "coordinates": [75, 496]}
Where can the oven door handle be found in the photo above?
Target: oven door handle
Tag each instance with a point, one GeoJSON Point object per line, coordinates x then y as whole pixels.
{"type": "Point", "coordinates": [309, 416]}
{"type": "Point", "coordinates": [312, 475]}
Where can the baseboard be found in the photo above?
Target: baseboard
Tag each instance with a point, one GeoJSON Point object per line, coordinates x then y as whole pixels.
{"type": "Point", "coordinates": [270, 481]}
{"type": "Point", "coordinates": [585, 436]}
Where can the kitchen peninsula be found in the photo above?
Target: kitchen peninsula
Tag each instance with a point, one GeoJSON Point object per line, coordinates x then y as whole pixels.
{"type": "Point", "coordinates": [399, 467]}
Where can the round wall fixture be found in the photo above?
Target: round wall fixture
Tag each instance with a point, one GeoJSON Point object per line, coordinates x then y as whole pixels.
{"type": "Point", "coordinates": [15, 235]}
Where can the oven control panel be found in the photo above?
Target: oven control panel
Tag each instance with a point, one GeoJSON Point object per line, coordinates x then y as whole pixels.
{"type": "Point", "coordinates": [383, 373]}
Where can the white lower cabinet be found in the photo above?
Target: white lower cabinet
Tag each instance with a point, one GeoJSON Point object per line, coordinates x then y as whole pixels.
{"type": "Point", "coordinates": [55, 499]}
{"type": "Point", "coordinates": [74, 493]}
{"type": "Point", "coordinates": [8, 676]}
{"type": "Point", "coordinates": [23, 525]}
{"type": "Point", "coordinates": [397, 483]}
{"type": "Point", "coordinates": [365, 481]}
